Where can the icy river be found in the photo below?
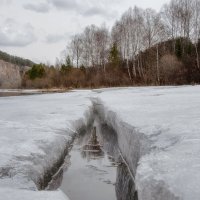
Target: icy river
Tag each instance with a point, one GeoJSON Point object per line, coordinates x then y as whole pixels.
{"type": "Point", "coordinates": [92, 144]}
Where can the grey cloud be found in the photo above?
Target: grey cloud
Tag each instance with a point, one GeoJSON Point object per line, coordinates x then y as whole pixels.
{"type": "Point", "coordinates": [85, 8]}
{"type": "Point", "coordinates": [14, 34]}
{"type": "Point", "coordinates": [93, 8]}
{"type": "Point", "coordinates": [58, 4]}
{"type": "Point", "coordinates": [54, 38]}
{"type": "Point", "coordinates": [64, 4]}
{"type": "Point", "coordinates": [95, 11]}
{"type": "Point", "coordinates": [41, 7]}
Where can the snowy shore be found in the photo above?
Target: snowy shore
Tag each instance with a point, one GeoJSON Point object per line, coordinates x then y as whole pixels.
{"type": "Point", "coordinates": [158, 131]}
{"type": "Point", "coordinates": [34, 133]}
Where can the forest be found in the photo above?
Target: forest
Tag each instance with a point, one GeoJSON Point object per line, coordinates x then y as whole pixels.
{"type": "Point", "coordinates": [15, 59]}
{"type": "Point", "coordinates": [143, 47]}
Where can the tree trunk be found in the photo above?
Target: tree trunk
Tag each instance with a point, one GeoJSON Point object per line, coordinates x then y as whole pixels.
{"type": "Point", "coordinates": [129, 74]}
{"type": "Point", "coordinates": [134, 70]}
{"type": "Point", "coordinates": [157, 64]}
{"type": "Point", "coordinates": [197, 54]}
{"type": "Point", "coordinates": [139, 70]}
{"type": "Point", "coordinates": [141, 67]}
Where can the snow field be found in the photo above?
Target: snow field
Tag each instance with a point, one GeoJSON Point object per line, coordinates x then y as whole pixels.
{"type": "Point", "coordinates": [159, 135]}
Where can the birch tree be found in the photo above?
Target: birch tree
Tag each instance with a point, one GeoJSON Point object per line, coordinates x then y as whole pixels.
{"type": "Point", "coordinates": [77, 48]}
{"type": "Point", "coordinates": [196, 28]}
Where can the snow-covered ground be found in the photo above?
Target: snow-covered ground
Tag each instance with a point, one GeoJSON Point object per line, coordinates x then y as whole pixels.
{"type": "Point", "coordinates": [160, 129]}
{"type": "Point", "coordinates": [158, 132]}
{"type": "Point", "coordinates": [16, 194]}
{"type": "Point", "coordinates": [34, 132]}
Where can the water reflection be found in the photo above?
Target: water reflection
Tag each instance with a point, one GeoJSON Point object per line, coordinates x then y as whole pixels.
{"type": "Point", "coordinates": [58, 177]}
{"type": "Point", "coordinates": [92, 150]}
{"type": "Point", "coordinates": [97, 171]}
{"type": "Point", "coordinates": [125, 186]}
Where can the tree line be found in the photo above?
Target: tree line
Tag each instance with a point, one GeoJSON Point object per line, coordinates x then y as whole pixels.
{"type": "Point", "coordinates": [143, 47]}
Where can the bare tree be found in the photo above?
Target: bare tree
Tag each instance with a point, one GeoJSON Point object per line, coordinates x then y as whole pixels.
{"type": "Point", "coordinates": [196, 28]}
{"type": "Point", "coordinates": [153, 27]}
{"type": "Point", "coordinates": [76, 47]}
{"type": "Point", "coordinates": [102, 38]}
{"type": "Point", "coordinates": [128, 34]}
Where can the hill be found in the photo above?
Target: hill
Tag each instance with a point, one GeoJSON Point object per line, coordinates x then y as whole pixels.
{"type": "Point", "coordinates": [15, 59]}
{"type": "Point", "coordinates": [168, 62]}
{"type": "Point", "coordinates": [12, 69]}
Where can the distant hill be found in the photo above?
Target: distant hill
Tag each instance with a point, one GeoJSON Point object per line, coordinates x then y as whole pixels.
{"type": "Point", "coordinates": [15, 60]}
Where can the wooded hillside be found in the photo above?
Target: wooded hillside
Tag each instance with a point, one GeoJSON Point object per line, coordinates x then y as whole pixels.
{"type": "Point", "coordinates": [15, 59]}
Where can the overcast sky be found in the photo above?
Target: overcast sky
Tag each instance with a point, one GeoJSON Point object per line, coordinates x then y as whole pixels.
{"type": "Point", "coordinates": [40, 29]}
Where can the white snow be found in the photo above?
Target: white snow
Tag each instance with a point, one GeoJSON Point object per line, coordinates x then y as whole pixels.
{"type": "Point", "coordinates": [34, 131]}
{"type": "Point", "coordinates": [161, 127]}
{"type": "Point", "coordinates": [14, 194]}
{"type": "Point", "coordinates": [158, 131]}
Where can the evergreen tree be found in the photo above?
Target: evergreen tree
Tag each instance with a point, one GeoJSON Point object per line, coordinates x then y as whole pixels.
{"type": "Point", "coordinates": [37, 71]}
{"type": "Point", "coordinates": [65, 68]}
{"type": "Point", "coordinates": [68, 62]}
{"type": "Point", "coordinates": [178, 48]}
{"type": "Point", "coordinates": [114, 57]}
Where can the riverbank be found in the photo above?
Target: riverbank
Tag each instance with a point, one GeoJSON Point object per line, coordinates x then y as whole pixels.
{"type": "Point", "coordinates": [21, 92]}
{"type": "Point", "coordinates": [35, 133]}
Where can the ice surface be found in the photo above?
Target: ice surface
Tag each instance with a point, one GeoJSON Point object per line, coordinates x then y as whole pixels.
{"type": "Point", "coordinates": [34, 132]}
{"type": "Point", "coordinates": [14, 194]}
{"type": "Point", "coordinates": [158, 132]}
{"type": "Point", "coordinates": [158, 127]}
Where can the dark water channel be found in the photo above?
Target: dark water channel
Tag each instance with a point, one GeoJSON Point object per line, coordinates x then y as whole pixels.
{"type": "Point", "coordinates": [94, 169]}
{"type": "Point", "coordinates": [11, 94]}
